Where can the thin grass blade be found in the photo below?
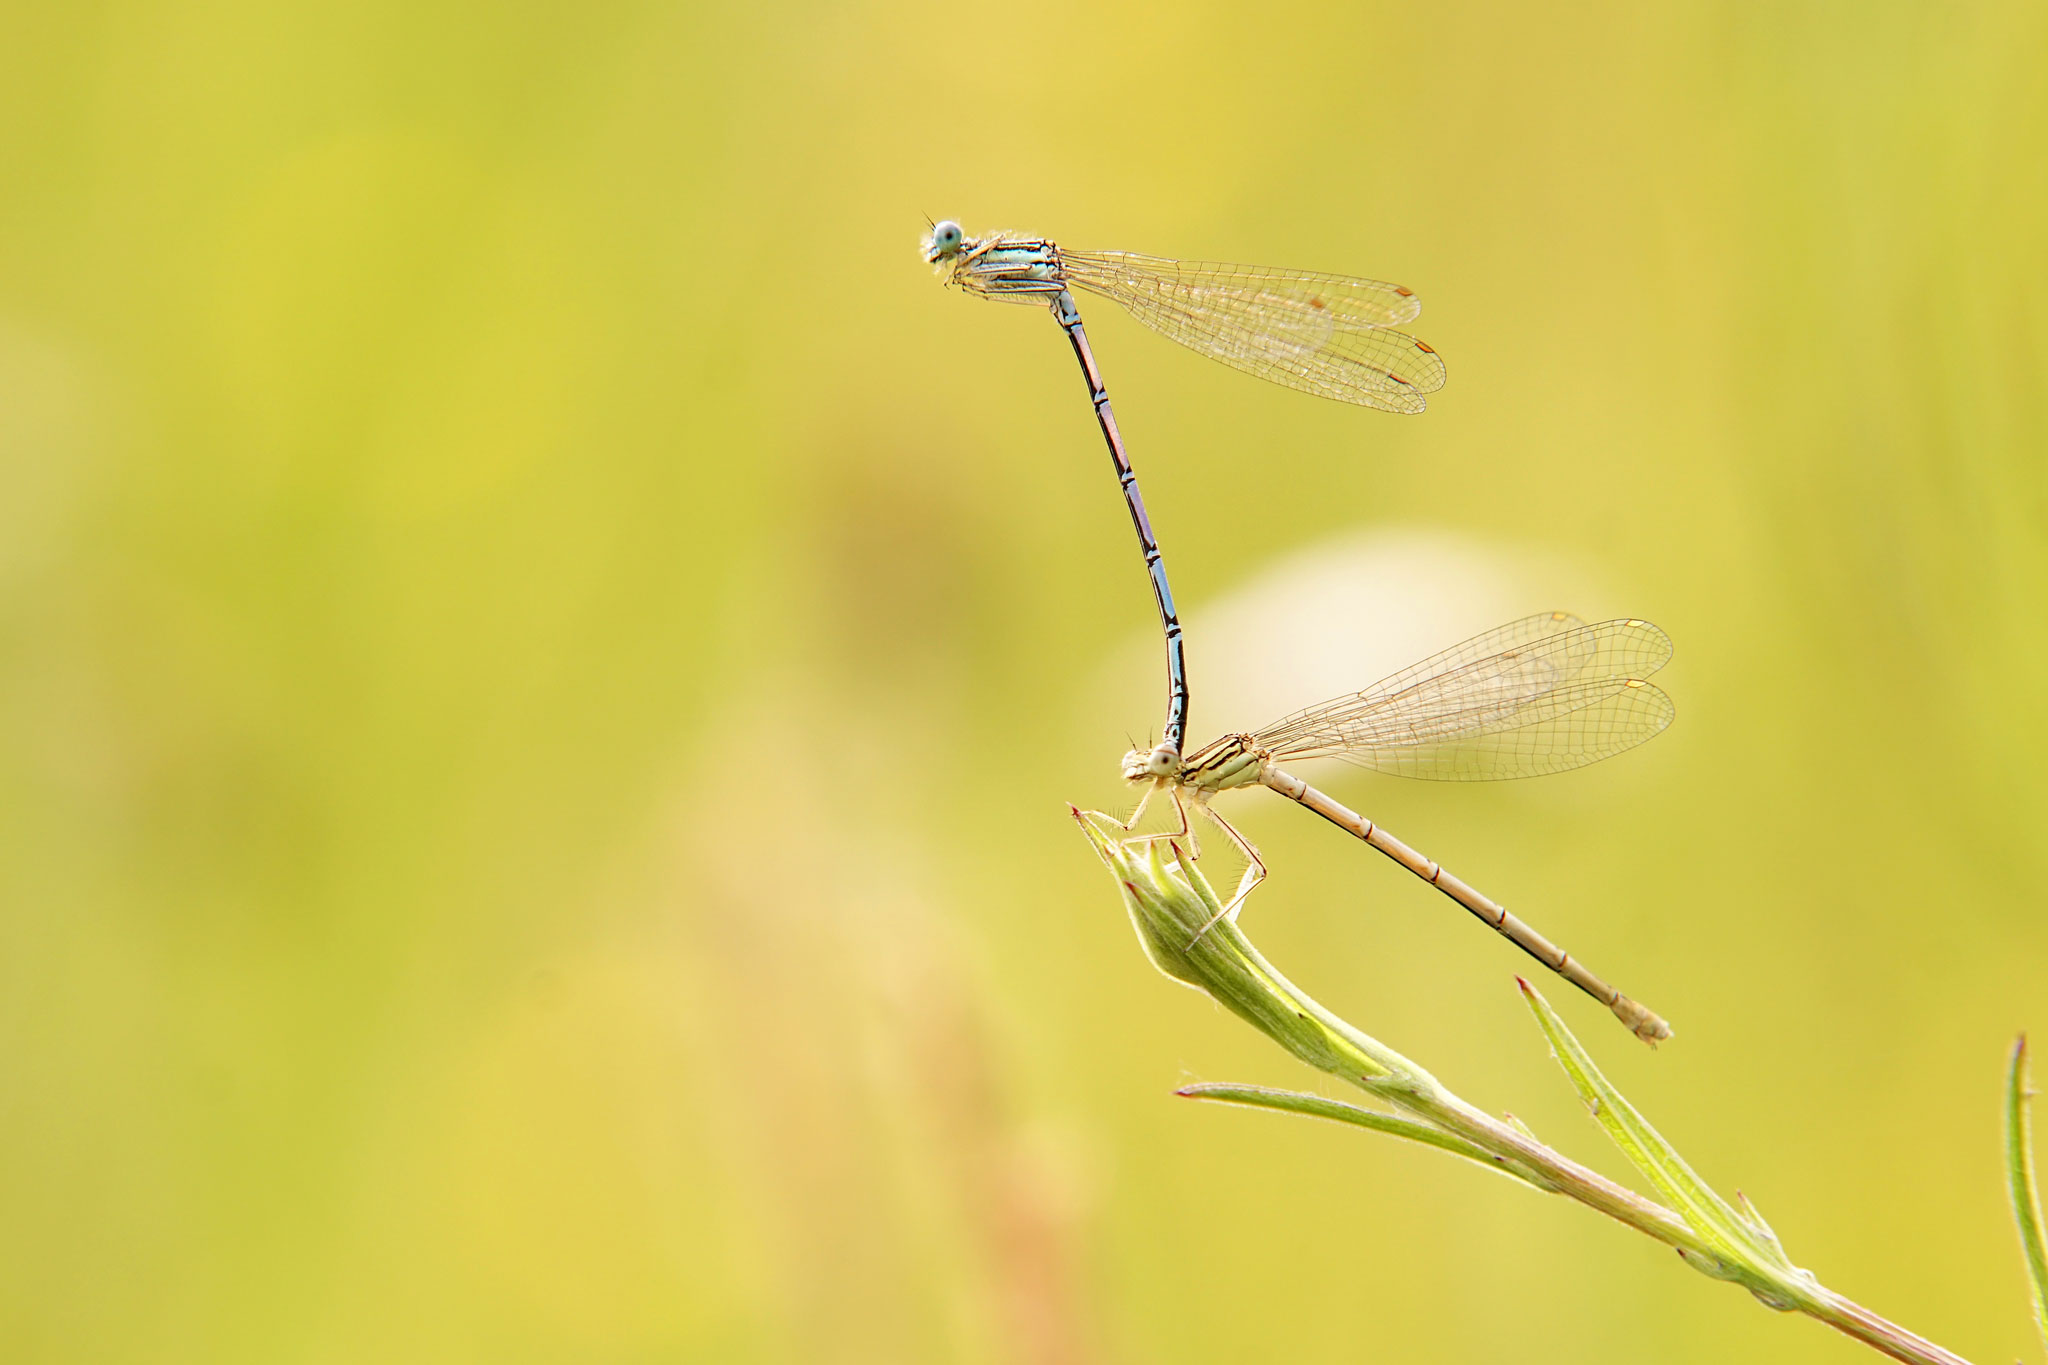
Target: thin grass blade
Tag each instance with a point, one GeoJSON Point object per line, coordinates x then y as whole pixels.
{"type": "Point", "coordinates": [2020, 1182]}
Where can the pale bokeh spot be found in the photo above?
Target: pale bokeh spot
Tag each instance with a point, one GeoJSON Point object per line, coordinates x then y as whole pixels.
{"type": "Point", "coordinates": [1340, 615]}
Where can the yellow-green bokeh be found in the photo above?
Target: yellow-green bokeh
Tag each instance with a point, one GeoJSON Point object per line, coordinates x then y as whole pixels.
{"type": "Point", "coordinates": [541, 655]}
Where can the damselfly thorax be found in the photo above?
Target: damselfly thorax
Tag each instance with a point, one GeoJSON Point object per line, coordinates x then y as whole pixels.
{"type": "Point", "coordinates": [1000, 267]}
{"type": "Point", "coordinates": [1219, 765]}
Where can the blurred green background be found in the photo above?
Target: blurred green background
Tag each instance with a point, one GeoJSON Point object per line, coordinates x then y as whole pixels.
{"type": "Point", "coordinates": [541, 655]}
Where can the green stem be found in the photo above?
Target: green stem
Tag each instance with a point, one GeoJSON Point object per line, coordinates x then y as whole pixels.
{"type": "Point", "coordinates": [1170, 904]}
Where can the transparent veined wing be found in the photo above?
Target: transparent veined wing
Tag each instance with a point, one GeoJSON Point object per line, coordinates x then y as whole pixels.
{"type": "Point", "coordinates": [1541, 695]}
{"type": "Point", "coordinates": [1486, 661]}
{"type": "Point", "coordinates": [1330, 335]}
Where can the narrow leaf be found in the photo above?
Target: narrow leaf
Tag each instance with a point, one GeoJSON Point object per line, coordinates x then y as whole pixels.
{"type": "Point", "coordinates": [1316, 1106]}
{"type": "Point", "coordinates": [2019, 1174]}
{"type": "Point", "coordinates": [1732, 1238]}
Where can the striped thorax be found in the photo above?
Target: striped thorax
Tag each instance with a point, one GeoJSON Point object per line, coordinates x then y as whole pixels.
{"type": "Point", "coordinates": [1011, 269]}
{"type": "Point", "coordinates": [1218, 766]}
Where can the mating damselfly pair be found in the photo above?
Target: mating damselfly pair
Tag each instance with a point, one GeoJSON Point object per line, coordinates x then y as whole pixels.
{"type": "Point", "coordinates": [1541, 695]}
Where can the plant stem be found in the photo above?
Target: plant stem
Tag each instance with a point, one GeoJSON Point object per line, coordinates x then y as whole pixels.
{"type": "Point", "coordinates": [1174, 911]}
{"type": "Point", "coordinates": [1852, 1319]}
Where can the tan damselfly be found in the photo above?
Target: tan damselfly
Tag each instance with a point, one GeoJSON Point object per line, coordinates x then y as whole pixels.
{"type": "Point", "coordinates": [1542, 695]}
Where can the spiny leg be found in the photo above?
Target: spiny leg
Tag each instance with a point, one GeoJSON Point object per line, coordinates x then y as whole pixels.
{"type": "Point", "coordinates": [1185, 829]}
{"type": "Point", "coordinates": [1254, 873]}
{"type": "Point", "coordinates": [1138, 813]}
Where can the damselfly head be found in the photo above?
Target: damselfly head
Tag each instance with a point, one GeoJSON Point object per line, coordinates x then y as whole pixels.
{"type": "Point", "coordinates": [1141, 765]}
{"type": "Point", "coordinates": [945, 239]}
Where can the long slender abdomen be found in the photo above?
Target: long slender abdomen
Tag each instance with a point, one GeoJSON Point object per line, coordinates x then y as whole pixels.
{"type": "Point", "coordinates": [1639, 1019]}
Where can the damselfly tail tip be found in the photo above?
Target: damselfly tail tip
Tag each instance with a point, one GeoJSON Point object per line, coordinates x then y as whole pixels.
{"type": "Point", "coordinates": [1651, 1030]}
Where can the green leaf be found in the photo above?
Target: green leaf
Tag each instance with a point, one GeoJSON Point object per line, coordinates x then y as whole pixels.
{"type": "Point", "coordinates": [2019, 1175]}
{"type": "Point", "coordinates": [1747, 1250]}
{"type": "Point", "coordinates": [1316, 1106]}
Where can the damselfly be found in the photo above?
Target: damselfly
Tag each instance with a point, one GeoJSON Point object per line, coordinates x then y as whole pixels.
{"type": "Point", "coordinates": [1323, 334]}
{"type": "Point", "coordinates": [1541, 695]}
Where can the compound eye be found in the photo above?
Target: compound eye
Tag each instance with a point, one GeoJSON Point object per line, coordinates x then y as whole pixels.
{"type": "Point", "coordinates": [947, 235]}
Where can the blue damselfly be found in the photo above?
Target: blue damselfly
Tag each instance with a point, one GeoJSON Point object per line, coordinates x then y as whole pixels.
{"type": "Point", "coordinates": [1323, 334]}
